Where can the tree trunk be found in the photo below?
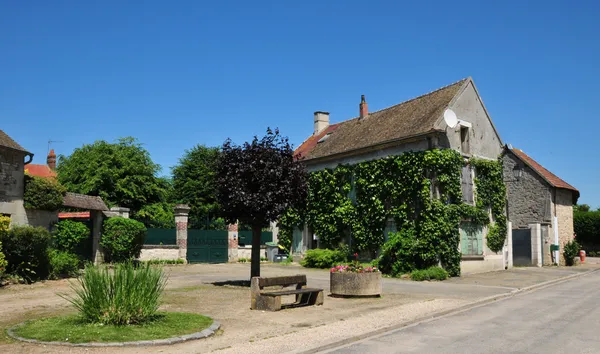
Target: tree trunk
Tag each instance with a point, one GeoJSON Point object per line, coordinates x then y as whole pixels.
{"type": "Point", "coordinates": [255, 265]}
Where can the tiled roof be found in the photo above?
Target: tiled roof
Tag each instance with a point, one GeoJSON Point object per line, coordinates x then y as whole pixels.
{"type": "Point", "coordinates": [414, 117]}
{"type": "Point", "coordinates": [39, 170]}
{"type": "Point", "coordinates": [550, 177]}
{"type": "Point", "coordinates": [74, 215]}
{"type": "Point", "coordinates": [82, 201]}
{"type": "Point", "coordinates": [8, 142]}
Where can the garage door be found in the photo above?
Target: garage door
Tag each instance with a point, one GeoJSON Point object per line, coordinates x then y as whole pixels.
{"type": "Point", "coordinates": [521, 247]}
{"type": "Point", "coordinates": [207, 246]}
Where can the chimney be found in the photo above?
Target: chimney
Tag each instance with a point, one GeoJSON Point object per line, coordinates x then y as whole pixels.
{"type": "Point", "coordinates": [51, 161]}
{"type": "Point", "coordinates": [364, 107]}
{"type": "Point", "coordinates": [321, 121]}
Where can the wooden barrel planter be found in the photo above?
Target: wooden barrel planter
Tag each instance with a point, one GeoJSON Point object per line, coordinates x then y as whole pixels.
{"type": "Point", "coordinates": [350, 284]}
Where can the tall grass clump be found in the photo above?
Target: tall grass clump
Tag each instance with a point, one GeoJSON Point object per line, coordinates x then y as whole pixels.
{"type": "Point", "coordinates": [121, 296]}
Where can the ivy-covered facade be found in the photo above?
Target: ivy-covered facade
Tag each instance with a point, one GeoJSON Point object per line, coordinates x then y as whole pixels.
{"type": "Point", "coordinates": [403, 186]}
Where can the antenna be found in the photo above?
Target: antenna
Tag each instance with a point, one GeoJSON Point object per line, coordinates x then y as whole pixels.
{"type": "Point", "coordinates": [52, 141]}
{"type": "Point", "coordinates": [450, 118]}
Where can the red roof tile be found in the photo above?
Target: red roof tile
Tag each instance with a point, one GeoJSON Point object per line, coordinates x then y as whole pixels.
{"type": "Point", "coordinates": [79, 215]}
{"type": "Point", "coordinates": [550, 177]}
{"type": "Point", "coordinates": [39, 170]}
{"type": "Point", "coordinates": [310, 143]}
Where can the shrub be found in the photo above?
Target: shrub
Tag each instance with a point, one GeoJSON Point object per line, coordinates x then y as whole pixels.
{"type": "Point", "coordinates": [400, 254]}
{"type": "Point", "coordinates": [123, 296]}
{"type": "Point", "coordinates": [4, 223]}
{"type": "Point", "coordinates": [3, 262]}
{"type": "Point", "coordinates": [165, 261]}
{"type": "Point", "coordinates": [69, 235]}
{"type": "Point", "coordinates": [26, 250]}
{"type": "Point", "coordinates": [122, 239]}
{"type": "Point", "coordinates": [571, 250]}
{"type": "Point", "coordinates": [43, 193]}
{"type": "Point", "coordinates": [63, 264]}
{"type": "Point", "coordinates": [431, 273]}
{"type": "Point", "coordinates": [587, 228]}
{"type": "Point", "coordinates": [322, 258]}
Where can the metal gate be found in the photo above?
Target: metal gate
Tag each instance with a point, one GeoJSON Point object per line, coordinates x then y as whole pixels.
{"type": "Point", "coordinates": [207, 246]}
{"type": "Point", "coordinates": [521, 239]}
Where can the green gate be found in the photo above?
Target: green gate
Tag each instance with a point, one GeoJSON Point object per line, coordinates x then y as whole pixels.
{"type": "Point", "coordinates": [245, 237]}
{"type": "Point", "coordinates": [207, 246]}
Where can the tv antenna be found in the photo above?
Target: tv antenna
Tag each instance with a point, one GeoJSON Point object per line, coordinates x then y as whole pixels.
{"type": "Point", "coordinates": [50, 142]}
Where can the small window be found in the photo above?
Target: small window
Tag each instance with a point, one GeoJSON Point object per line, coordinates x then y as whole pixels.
{"type": "Point", "coordinates": [464, 140]}
{"type": "Point", "coordinates": [324, 138]}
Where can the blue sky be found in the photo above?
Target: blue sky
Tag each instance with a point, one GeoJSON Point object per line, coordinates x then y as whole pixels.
{"type": "Point", "coordinates": [178, 73]}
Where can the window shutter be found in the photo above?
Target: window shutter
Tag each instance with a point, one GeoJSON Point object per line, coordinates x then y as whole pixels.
{"type": "Point", "coordinates": [467, 184]}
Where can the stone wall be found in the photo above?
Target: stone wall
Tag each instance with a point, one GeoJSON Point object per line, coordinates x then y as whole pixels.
{"type": "Point", "coordinates": [164, 252]}
{"type": "Point", "coordinates": [12, 185]}
{"type": "Point", "coordinates": [41, 218]}
{"type": "Point", "coordinates": [529, 198]}
{"type": "Point", "coordinates": [564, 213]}
{"type": "Point", "coordinates": [246, 252]}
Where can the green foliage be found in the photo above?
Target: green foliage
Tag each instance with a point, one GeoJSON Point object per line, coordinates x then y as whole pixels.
{"type": "Point", "coordinates": [26, 250]}
{"type": "Point", "coordinates": [122, 296]}
{"type": "Point", "coordinates": [491, 193]}
{"type": "Point", "coordinates": [581, 208]}
{"type": "Point", "coordinates": [122, 173]}
{"type": "Point", "coordinates": [157, 215]}
{"type": "Point", "coordinates": [63, 264]}
{"type": "Point", "coordinates": [122, 239]}
{"type": "Point", "coordinates": [257, 182]}
{"type": "Point", "coordinates": [587, 229]}
{"type": "Point", "coordinates": [70, 235]}
{"type": "Point", "coordinates": [570, 251]}
{"type": "Point", "coordinates": [194, 182]}
{"type": "Point", "coordinates": [43, 193]}
{"type": "Point", "coordinates": [322, 258]}
{"type": "Point", "coordinates": [286, 223]}
{"type": "Point", "coordinates": [399, 254]}
{"type": "Point", "coordinates": [431, 273]}
{"type": "Point", "coordinates": [165, 261]}
{"type": "Point", "coordinates": [3, 262]}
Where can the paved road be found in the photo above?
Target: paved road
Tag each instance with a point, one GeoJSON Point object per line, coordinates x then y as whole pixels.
{"type": "Point", "coordinates": [563, 318]}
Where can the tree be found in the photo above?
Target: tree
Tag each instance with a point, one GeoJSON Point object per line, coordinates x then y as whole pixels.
{"type": "Point", "coordinates": [194, 183]}
{"type": "Point", "coordinates": [122, 173]}
{"type": "Point", "coordinates": [258, 182]}
{"type": "Point", "coordinates": [581, 207]}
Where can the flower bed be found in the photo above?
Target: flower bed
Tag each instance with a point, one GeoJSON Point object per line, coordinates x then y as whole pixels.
{"type": "Point", "coordinates": [355, 279]}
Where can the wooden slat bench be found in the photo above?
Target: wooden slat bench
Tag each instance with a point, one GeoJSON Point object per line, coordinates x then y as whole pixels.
{"type": "Point", "coordinates": [270, 300]}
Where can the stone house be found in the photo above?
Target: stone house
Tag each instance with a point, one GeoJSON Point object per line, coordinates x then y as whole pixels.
{"type": "Point", "coordinates": [540, 207]}
{"type": "Point", "coordinates": [414, 125]}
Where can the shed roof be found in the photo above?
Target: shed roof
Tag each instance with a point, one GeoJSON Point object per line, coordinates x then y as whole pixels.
{"type": "Point", "coordinates": [8, 142]}
{"type": "Point", "coordinates": [82, 201]}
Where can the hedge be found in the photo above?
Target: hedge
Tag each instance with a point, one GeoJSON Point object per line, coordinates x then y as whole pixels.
{"type": "Point", "coordinates": [587, 229]}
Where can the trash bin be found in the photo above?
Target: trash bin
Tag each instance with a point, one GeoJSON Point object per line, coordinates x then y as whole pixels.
{"type": "Point", "coordinates": [272, 250]}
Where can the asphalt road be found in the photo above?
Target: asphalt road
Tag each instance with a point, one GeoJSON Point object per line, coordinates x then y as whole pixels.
{"type": "Point", "coordinates": [562, 318]}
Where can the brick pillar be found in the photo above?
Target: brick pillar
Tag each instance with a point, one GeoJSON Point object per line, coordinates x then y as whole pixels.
{"type": "Point", "coordinates": [122, 211]}
{"type": "Point", "coordinates": [181, 223]}
{"type": "Point", "coordinates": [97, 252]}
{"type": "Point", "coordinates": [232, 253]}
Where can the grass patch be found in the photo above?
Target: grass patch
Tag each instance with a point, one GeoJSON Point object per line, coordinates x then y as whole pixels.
{"type": "Point", "coordinates": [73, 329]}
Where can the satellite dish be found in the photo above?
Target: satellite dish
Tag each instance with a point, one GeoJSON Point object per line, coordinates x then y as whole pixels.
{"type": "Point", "coordinates": [450, 118]}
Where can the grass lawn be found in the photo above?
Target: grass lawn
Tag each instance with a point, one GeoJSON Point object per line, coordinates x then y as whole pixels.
{"type": "Point", "coordinates": [72, 329]}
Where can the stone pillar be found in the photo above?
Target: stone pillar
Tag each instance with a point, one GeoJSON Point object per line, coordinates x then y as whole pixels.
{"type": "Point", "coordinates": [509, 245]}
{"type": "Point", "coordinates": [232, 233]}
{"type": "Point", "coordinates": [122, 211]}
{"type": "Point", "coordinates": [536, 244]}
{"type": "Point", "coordinates": [97, 252]}
{"type": "Point", "coordinates": [181, 224]}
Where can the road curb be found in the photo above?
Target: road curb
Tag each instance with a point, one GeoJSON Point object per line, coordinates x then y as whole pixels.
{"type": "Point", "coordinates": [210, 331]}
{"type": "Point", "coordinates": [444, 313]}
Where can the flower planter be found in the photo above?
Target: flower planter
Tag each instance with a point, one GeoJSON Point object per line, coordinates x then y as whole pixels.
{"type": "Point", "coordinates": [355, 284]}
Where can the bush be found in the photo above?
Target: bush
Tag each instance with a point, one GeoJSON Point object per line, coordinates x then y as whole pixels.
{"type": "Point", "coordinates": [431, 273]}
{"type": "Point", "coordinates": [122, 239]}
{"type": "Point", "coordinates": [70, 235]}
{"type": "Point", "coordinates": [587, 228]}
{"type": "Point", "coordinates": [26, 250]}
{"type": "Point", "coordinates": [399, 255]}
{"type": "Point", "coordinates": [165, 261]}
{"type": "Point", "coordinates": [323, 258]}
{"type": "Point", "coordinates": [63, 264]}
{"type": "Point", "coordinates": [571, 250]}
{"type": "Point", "coordinates": [120, 297]}
{"type": "Point", "coordinates": [4, 224]}
{"type": "Point", "coordinates": [43, 193]}
{"type": "Point", "coordinates": [3, 262]}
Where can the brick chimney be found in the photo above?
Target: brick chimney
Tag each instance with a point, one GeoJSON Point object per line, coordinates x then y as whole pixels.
{"type": "Point", "coordinates": [321, 121]}
{"type": "Point", "coordinates": [363, 107]}
{"type": "Point", "coordinates": [51, 160]}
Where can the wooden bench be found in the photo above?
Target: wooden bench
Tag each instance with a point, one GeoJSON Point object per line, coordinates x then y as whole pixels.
{"type": "Point", "coordinates": [270, 300]}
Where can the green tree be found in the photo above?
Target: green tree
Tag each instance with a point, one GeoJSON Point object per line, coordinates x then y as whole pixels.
{"type": "Point", "coordinates": [194, 183]}
{"type": "Point", "coordinates": [581, 207]}
{"type": "Point", "coordinates": [122, 173]}
{"type": "Point", "coordinates": [258, 182]}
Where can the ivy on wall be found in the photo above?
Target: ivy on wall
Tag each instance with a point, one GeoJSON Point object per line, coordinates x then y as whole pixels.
{"type": "Point", "coordinates": [421, 191]}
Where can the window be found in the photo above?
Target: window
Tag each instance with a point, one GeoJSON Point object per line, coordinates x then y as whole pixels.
{"type": "Point", "coordinates": [464, 140]}
{"type": "Point", "coordinates": [466, 183]}
{"type": "Point", "coordinates": [471, 239]}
